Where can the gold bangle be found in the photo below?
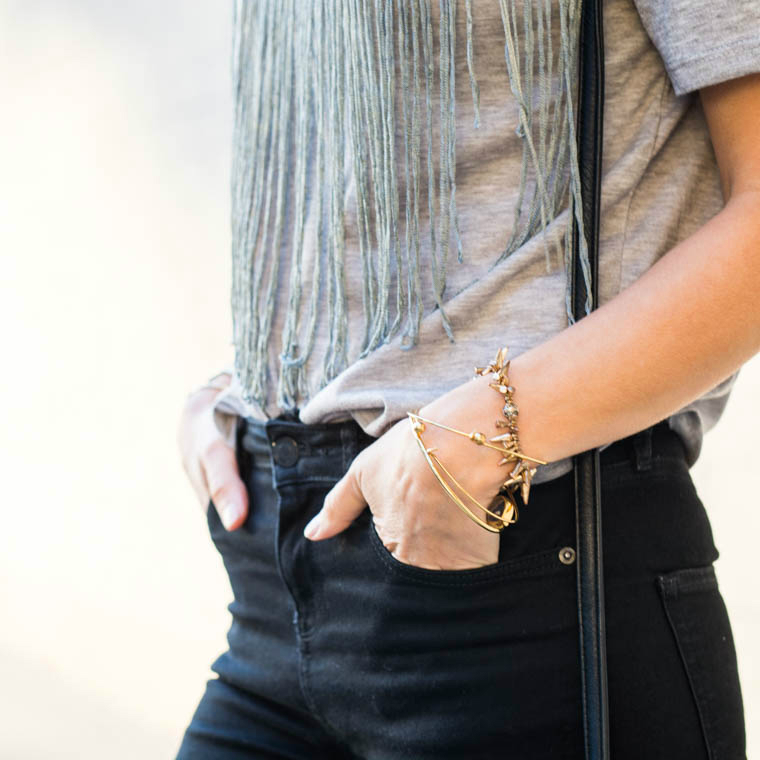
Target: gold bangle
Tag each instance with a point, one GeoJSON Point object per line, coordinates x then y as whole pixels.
{"type": "Point", "coordinates": [498, 520]}
{"type": "Point", "coordinates": [506, 511]}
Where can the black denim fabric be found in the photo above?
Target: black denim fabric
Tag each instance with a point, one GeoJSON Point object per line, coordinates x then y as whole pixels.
{"type": "Point", "coordinates": [339, 650]}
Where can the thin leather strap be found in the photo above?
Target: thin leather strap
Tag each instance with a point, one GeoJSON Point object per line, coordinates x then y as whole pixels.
{"type": "Point", "coordinates": [586, 464]}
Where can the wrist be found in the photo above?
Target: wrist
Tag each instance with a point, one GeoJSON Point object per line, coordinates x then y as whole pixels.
{"type": "Point", "coordinates": [532, 421]}
{"type": "Point", "coordinates": [475, 405]}
{"type": "Point", "coordinates": [219, 382]}
{"type": "Point", "coordinates": [470, 406]}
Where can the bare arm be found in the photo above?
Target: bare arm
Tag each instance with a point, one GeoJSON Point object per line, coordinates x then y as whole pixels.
{"type": "Point", "coordinates": [687, 323]}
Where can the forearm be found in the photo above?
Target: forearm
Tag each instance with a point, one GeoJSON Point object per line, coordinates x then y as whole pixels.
{"type": "Point", "coordinates": [686, 324]}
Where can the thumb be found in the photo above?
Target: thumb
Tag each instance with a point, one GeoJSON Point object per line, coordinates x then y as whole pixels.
{"type": "Point", "coordinates": [342, 505]}
{"type": "Point", "coordinates": [227, 491]}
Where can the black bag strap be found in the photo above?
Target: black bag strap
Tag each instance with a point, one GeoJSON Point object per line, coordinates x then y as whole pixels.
{"type": "Point", "coordinates": [586, 464]}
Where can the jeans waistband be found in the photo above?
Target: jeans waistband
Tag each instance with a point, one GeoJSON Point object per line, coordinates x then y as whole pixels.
{"type": "Point", "coordinates": [297, 451]}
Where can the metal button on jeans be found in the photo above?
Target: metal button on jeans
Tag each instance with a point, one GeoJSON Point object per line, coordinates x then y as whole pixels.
{"type": "Point", "coordinates": [285, 451]}
{"type": "Point", "coordinates": [567, 555]}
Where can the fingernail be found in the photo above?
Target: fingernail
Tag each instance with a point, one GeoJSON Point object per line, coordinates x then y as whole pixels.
{"type": "Point", "coordinates": [312, 529]}
{"type": "Point", "coordinates": [229, 514]}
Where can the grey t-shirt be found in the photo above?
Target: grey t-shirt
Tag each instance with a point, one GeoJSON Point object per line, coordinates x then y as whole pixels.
{"type": "Point", "coordinates": [660, 184]}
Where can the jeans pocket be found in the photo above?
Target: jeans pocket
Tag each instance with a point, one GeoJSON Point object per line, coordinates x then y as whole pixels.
{"type": "Point", "coordinates": [415, 662]}
{"type": "Point", "coordinates": [547, 561]}
{"type": "Point", "coordinates": [699, 621]}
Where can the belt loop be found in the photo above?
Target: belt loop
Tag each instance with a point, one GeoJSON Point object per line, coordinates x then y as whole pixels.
{"type": "Point", "coordinates": [241, 423]}
{"type": "Point", "coordinates": [289, 414]}
{"type": "Point", "coordinates": [642, 449]}
{"type": "Point", "coordinates": [242, 457]}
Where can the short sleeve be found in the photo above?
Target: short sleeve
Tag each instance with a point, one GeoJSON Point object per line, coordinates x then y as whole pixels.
{"type": "Point", "coordinates": [703, 42]}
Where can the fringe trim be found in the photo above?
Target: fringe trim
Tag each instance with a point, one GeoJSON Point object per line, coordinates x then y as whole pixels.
{"type": "Point", "coordinates": [323, 73]}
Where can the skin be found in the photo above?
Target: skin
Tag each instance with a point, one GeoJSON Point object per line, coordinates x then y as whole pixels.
{"type": "Point", "coordinates": [685, 325]}
{"type": "Point", "coordinates": [208, 460]}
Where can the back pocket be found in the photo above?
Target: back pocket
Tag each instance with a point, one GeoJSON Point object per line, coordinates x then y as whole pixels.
{"type": "Point", "coordinates": [700, 624]}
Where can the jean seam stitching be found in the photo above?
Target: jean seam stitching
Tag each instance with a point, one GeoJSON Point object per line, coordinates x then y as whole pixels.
{"type": "Point", "coordinates": [526, 568]}
{"type": "Point", "coordinates": [669, 591]}
{"type": "Point", "coordinates": [304, 682]}
{"type": "Point", "coordinates": [301, 481]}
{"type": "Point", "coordinates": [667, 458]}
{"type": "Point", "coordinates": [303, 631]}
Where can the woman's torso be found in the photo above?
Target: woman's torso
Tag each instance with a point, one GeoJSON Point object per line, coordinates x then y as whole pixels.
{"type": "Point", "coordinates": [660, 184]}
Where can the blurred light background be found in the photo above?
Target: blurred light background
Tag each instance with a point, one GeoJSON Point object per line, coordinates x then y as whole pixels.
{"type": "Point", "coordinates": [114, 303]}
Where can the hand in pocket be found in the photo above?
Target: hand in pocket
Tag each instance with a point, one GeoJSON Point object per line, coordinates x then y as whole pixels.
{"type": "Point", "coordinates": [209, 461]}
{"type": "Point", "coordinates": [416, 520]}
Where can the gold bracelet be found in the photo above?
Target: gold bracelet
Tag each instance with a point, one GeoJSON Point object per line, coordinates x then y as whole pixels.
{"type": "Point", "coordinates": [503, 509]}
{"type": "Point", "coordinates": [496, 519]}
{"type": "Point", "coordinates": [499, 369]}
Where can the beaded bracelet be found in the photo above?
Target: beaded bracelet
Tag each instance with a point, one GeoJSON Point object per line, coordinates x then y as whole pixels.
{"type": "Point", "coordinates": [503, 509]}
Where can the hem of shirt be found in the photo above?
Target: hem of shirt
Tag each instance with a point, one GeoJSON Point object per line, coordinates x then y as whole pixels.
{"type": "Point", "coordinates": [702, 71]}
{"type": "Point", "coordinates": [228, 406]}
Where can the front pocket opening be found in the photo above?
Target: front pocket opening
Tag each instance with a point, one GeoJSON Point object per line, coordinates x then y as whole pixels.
{"type": "Point", "coordinates": [544, 562]}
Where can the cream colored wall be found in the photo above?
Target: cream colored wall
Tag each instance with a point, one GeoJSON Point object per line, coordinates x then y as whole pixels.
{"type": "Point", "coordinates": [114, 240]}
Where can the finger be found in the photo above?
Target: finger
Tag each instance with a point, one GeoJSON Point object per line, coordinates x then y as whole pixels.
{"type": "Point", "coordinates": [199, 483]}
{"type": "Point", "coordinates": [342, 505]}
{"type": "Point", "coordinates": [226, 489]}
{"type": "Point", "coordinates": [193, 469]}
{"type": "Point", "coordinates": [195, 425]}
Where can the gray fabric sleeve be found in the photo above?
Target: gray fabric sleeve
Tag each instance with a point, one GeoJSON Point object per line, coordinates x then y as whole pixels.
{"type": "Point", "coordinates": [703, 42]}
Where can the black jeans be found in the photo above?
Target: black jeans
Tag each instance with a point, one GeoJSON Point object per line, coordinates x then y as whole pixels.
{"type": "Point", "coordinates": [339, 650]}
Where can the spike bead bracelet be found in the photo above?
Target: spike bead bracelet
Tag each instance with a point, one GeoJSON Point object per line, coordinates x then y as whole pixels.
{"type": "Point", "coordinates": [503, 509]}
